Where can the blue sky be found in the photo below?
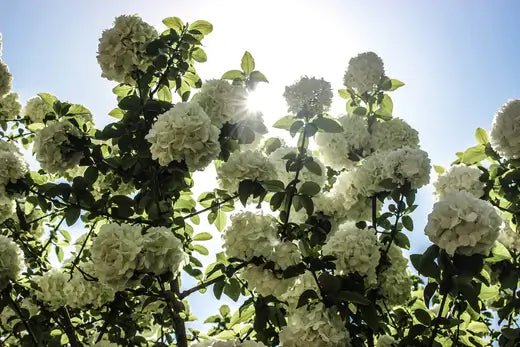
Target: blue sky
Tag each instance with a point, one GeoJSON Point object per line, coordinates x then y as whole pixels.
{"type": "Point", "coordinates": [459, 59]}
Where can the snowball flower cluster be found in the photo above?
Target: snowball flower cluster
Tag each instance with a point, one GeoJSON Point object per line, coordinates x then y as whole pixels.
{"type": "Point", "coordinates": [277, 158]}
{"type": "Point", "coordinates": [459, 178]}
{"type": "Point", "coordinates": [509, 237]}
{"type": "Point", "coordinates": [51, 283]}
{"type": "Point", "coordinates": [342, 150]}
{"type": "Point", "coordinates": [9, 107]}
{"type": "Point", "coordinates": [227, 343]}
{"type": "Point", "coordinates": [266, 282]}
{"type": "Point", "coordinates": [364, 72]}
{"type": "Point", "coordinates": [504, 130]}
{"type": "Point", "coordinates": [115, 253]}
{"type": "Point", "coordinates": [356, 251]}
{"type": "Point", "coordinates": [463, 224]}
{"type": "Point", "coordinates": [395, 284]}
{"type": "Point", "coordinates": [409, 164]}
{"type": "Point", "coordinates": [314, 326]}
{"type": "Point", "coordinates": [184, 133]}
{"type": "Point", "coordinates": [285, 254]}
{"type": "Point", "coordinates": [162, 252]}
{"type": "Point", "coordinates": [301, 284]}
{"type": "Point", "coordinates": [393, 134]}
{"type": "Point", "coordinates": [6, 79]}
{"type": "Point", "coordinates": [7, 207]}
{"type": "Point", "coordinates": [310, 93]}
{"type": "Point", "coordinates": [12, 164]}
{"type": "Point", "coordinates": [36, 109]}
{"type": "Point", "coordinates": [250, 235]}
{"type": "Point", "coordinates": [223, 102]}
{"type": "Point", "coordinates": [243, 165]}
{"type": "Point", "coordinates": [122, 49]}
{"type": "Point", "coordinates": [54, 149]}
{"type": "Point", "coordinates": [10, 262]}
{"type": "Point", "coordinates": [386, 341]}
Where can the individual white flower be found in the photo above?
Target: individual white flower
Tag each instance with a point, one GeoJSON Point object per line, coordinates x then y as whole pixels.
{"type": "Point", "coordinates": [36, 109]}
{"type": "Point", "coordinates": [12, 164]}
{"type": "Point", "coordinates": [11, 260]}
{"type": "Point", "coordinates": [277, 158]}
{"type": "Point", "coordinates": [504, 130]}
{"type": "Point", "coordinates": [315, 326]}
{"type": "Point", "coordinates": [342, 150]}
{"type": "Point", "coordinates": [310, 93]}
{"type": "Point", "coordinates": [463, 224]}
{"type": "Point", "coordinates": [50, 288]}
{"type": "Point", "coordinates": [184, 132]}
{"type": "Point", "coordinates": [115, 251]}
{"type": "Point", "coordinates": [223, 102]}
{"type": "Point", "coordinates": [409, 164]}
{"type": "Point", "coordinates": [54, 149]}
{"type": "Point", "coordinates": [395, 284]}
{"type": "Point", "coordinates": [386, 341]}
{"type": "Point", "coordinates": [266, 282]}
{"type": "Point", "coordinates": [509, 237]}
{"type": "Point", "coordinates": [6, 79]}
{"type": "Point", "coordinates": [245, 165]}
{"type": "Point", "coordinates": [250, 235]}
{"type": "Point", "coordinates": [364, 72]}
{"type": "Point", "coordinates": [285, 254]}
{"type": "Point", "coordinates": [122, 49]}
{"type": "Point", "coordinates": [356, 251]}
{"type": "Point", "coordinates": [9, 106]}
{"type": "Point", "coordinates": [162, 251]}
{"type": "Point", "coordinates": [393, 134]}
{"type": "Point", "coordinates": [459, 178]}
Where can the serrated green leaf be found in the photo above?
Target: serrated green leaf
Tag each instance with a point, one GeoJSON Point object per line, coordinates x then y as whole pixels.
{"type": "Point", "coordinates": [49, 99]}
{"type": "Point", "coordinates": [474, 154]}
{"type": "Point", "coordinates": [481, 136]}
{"type": "Point", "coordinates": [248, 63]}
{"type": "Point", "coordinates": [117, 113]}
{"type": "Point", "coordinates": [204, 27]}
{"type": "Point", "coordinates": [233, 74]}
{"type": "Point", "coordinates": [199, 55]}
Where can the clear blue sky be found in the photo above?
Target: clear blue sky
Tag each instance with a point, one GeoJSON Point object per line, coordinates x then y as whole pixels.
{"type": "Point", "coordinates": [460, 60]}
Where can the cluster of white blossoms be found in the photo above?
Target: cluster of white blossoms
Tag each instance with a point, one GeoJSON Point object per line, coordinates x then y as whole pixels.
{"type": "Point", "coordinates": [277, 158]}
{"type": "Point", "coordinates": [364, 72]}
{"type": "Point", "coordinates": [11, 260]}
{"type": "Point", "coordinates": [310, 93]}
{"type": "Point", "coordinates": [227, 343]}
{"type": "Point", "coordinates": [302, 283]}
{"type": "Point", "coordinates": [393, 134]}
{"type": "Point", "coordinates": [266, 282]}
{"type": "Point", "coordinates": [7, 207]}
{"type": "Point", "coordinates": [243, 165]}
{"type": "Point", "coordinates": [9, 107]}
{"type": "Point", "coordinates": [504, 130]}
{"type": "Point", "coordinates": [223, 102]}
{"type": "Point", "coordinates": [250, 235]}
{"type": "Point", "coordinates": [184, 132]}
{"type": "Point", "coordinates": [463, 224]}
{"type": "Point", "coordinates": [316, 325]}
{"type": "Point", "coordinates": [386, 341]}
{"type": "Point", "coordinates": [395, 284]}
{"type": "Point", "coordinates": [12, 164]}
{"type": "Point", "coordinates": [119, 250]}
{"type": "Point", "coordinates": [36, 109]}
{"type": "Point", "coordinates": [5, 76]}
{"type": "Point", "coordinates": [459, 178]}
{"type": "Point", "coordinates": [122, 49]}
{"type": "Point", "coordinates": [509, 237]}
{"type": "Point", "coordinates": [54, 149]}
{"type": "Point", "coordinates": [56, 288]}
{"type": "Point", "coordinates": [356, 251]}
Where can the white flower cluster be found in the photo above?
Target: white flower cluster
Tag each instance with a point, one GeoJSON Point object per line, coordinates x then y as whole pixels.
{"type": "Point", "coordinates": [314, 326]}
{"type": "Point", "coordinates": [5, 77]}
{"type": "Point", "coordinates": [184, 133]}
{"type": "Point", "coordinates": [36, 109]}
{"type": "Point", "coordinates": [57, 289]}
{"type": "Point", "coordinates": [122, 49]}
{"type": "Point", "coordinates": [53, 147]}
{"type": "Point", "coordinates": [285, 254]}
{"type": "Point", "coordinates": [386, 341]}
{"type": "Point", "coordinates": [250, 235]}
{"type": "Point", "coordinates": [12, 164]}
{"type": "Point", "coordinates": [276, 157]}
{"type": "Point", "coordinates": [223, 102]}
{"type": "Point", "coordinates": [227, 343]}
{"type": "Point", "coordinates": [11, 260]}
{"type": "Point", "coordinates": [360, 256]}
{"type": "Point", "coordinates": [364, 72]}
{"type": "Point", "coordinates": [464, 224]}
{"type": "Point", "coordinates": [509, 237]}
{"type": "Point", "coordinates": [395, 284]}
{"type": "Point", "coordinates": [266, 282]}
{"type": "Point", "coordinates": [504, 130]}
{"type": "Point", "coordinates": [342, 150]}
{"type": "Point", "coordinates": [119, 250]}
{"type": "Point", "coordinates": [7, 207]}
{"type": "Point", "coordinates": [313, 94]}
{"type": "Point", "coordinates": [242, 165]}
{"type": "Point", "coordinates": [302, 283]}
{"type": "Point", "coordinates": [9, 106]}
{"type": "Point", "coordinates": [459, 178]}
{"type": "Point", "coordinates": [393, 134]}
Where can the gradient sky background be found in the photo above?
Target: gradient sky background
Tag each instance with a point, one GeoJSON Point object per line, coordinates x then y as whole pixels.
{"type": "Point", "coordinates": [459, 59]}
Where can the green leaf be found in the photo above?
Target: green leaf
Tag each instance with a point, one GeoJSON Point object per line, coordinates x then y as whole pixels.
{"type": "Point", "coordinates": [386, 106]}
{"type": "Point", "coordinates": [122, 90]}
{"type": "Point", "coordinates": [232, 289]}
{"type": "Point", "coordinates": [49, 99]}
{"type": "Point", "coordinates": [233, 74]}
{"type": "Point", "coordinates": [313, 167]}
{"type": "Point", "coordinates": [423, 316]}
{"type": "Point", "coordinates": [174, 23]}
{"type": "Point", "coordinates": [309, 188]}
{"type": "Point", "coordinates": [202, 237]}
{"type": "Point", "coordinates": [343, 93]}
{"type": "Point", "coordinates": [395, 84]}
{"type": "Point", "coordinates": [200, 249]}
{"type": "Point", "coordinates": [220, 221]}
{"type": "Point", "coordinates": [273, 186]}
{"type": "Point", "coordinates": [439, 169]}
{"type": "Point", "coordinates": [248, 63]}
{"type": "Point", "coordinates": [59, 253]}
{"type": "Point", "coordinates": [91, 175]}
{"type": "Point", "coordinates": [199, 55]}
{"type": "Point", "coordinates": [498, 253]}
{"type": "Point", "coordinates": [328, 125]}
{"type": "Point", "coordinates": [353, 297]}
{"type": "Point", "coordinates": [164, 94]}
{"type": "Point", "coordinates": [117, 113]}
{"type": "Point", "coordinates": [474, 154]}
{"type": "Point", "coordinates": [130, 102]}
{"type": "Point", "coordinates": [481, 136]}
{"type": "Point", "coordinates": [76, 109]}
{"type": "Point", "coordinates": [71, 215]}
{"type": "Point", "coordinates": [284, 122]}
{"type": "Point", "coordinates": [258, 76]}
{"type": "Point", "coordinates": [201, 25]}
{"type": "Point", "coordinates": [407, 222]}
{"type": "Point", "coordinates": [402, 240]}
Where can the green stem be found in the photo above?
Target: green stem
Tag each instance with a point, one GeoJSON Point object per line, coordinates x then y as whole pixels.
{"type": "Point", "coordinates": [16, 309]}
{"type": "Point", "coordinates": [439, 315]}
